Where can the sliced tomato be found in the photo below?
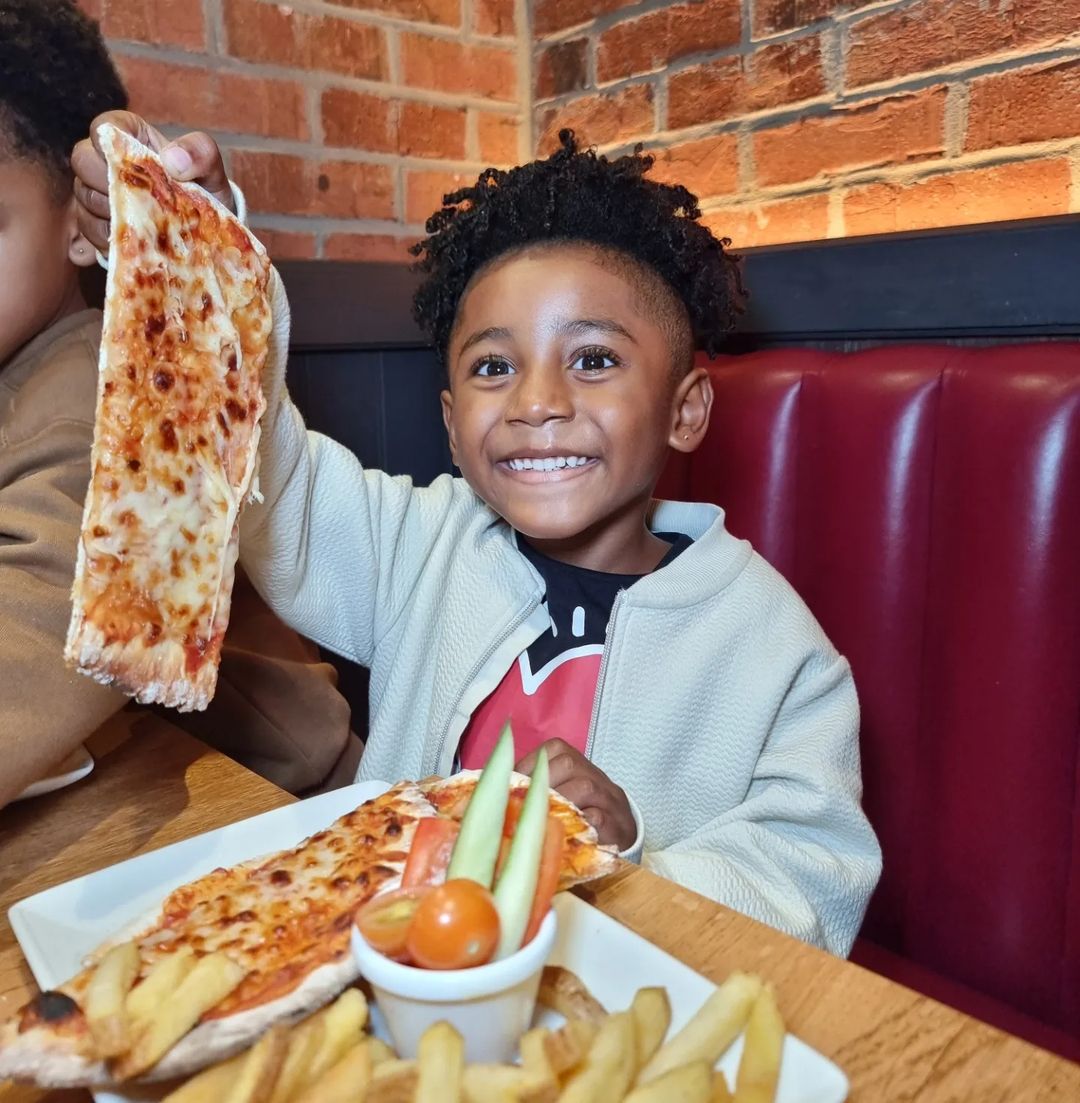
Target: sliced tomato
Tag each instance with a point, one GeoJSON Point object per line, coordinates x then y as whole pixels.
{"type": "Point", "coordinates": [548, 880]}
{"type": "Point", "coordinates": [433, 843]}
{"type": "Point", "coordinates": [513, 813]}
{"type": "Point", "coordinates": [385, 921]}
{"type": "Point", "coordinates": [456, 926]}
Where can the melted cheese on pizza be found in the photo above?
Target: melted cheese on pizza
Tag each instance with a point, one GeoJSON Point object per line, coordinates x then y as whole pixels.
{"type": "Point", "coordinates": [187, 325]}
{"type": "Point", "coordinates": [284, 916]}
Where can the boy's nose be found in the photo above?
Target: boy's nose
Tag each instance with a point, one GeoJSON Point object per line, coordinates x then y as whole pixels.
{"type": "Point", "coordinates": [540, 397]}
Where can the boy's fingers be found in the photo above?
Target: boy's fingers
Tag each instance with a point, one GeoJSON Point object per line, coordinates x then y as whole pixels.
{"type": "Point", "coordinates": [196, 157]}
{"type": "Point", "coordinates": [130, 123]}
{"type": "Point", "coordinates": [96, 202]}
{"type": "Point", "coordinates": [89, 166]}
{"type": "Point", "coordinates": [95, 230]}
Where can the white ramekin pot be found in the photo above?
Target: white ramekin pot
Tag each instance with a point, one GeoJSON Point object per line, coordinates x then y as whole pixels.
{"type": "Point", "coordinates": [490, 1006]}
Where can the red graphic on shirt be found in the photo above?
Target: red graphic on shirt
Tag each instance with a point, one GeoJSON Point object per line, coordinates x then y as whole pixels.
{"type": "Point", "coordinates": [554, 703]}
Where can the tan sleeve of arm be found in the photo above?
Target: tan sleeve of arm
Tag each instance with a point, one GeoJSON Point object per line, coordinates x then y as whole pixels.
{"type": "Point", "coordinates": [277, 709]}
{"type": "Point", "coordinates": [45, 709]}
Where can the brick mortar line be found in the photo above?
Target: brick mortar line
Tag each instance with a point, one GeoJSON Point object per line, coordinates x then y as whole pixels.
{"type": "Point", "coordinates": [747, 168]}
{"type": "Point", "coordinates": [1003, 61]}
{"type": "Point", "coordinates": [472, 135]}
{"type": "Point", "coordinates": [215, 25]}
{"type": "Point", "coordinates": [320, 79]}
{"type": "Point", "coordinates": [398, 22]}
{"type": "Point", "coordinates": [824, 105]}
{"type": "Point", "coordinates": [393, 57]}
{"type": "Point", "coordinates": [833, 60]}
{"type": "Point", "coordinates": [883, 90]}
{"type": "Point", "coordinates": [526, 73]}
{"type": "Point", "coordinates": [601, 23]}
{"type": "Point", "coordinates": [289, 147]}
{"type": "Point", "coordinates": [680, 65]}
{"type": "Point", "coordinates": [957, 100]}
{"type": "Point", "coordinates": [299, 223]}
{"type": "Point", "coordinates": [903, 175]}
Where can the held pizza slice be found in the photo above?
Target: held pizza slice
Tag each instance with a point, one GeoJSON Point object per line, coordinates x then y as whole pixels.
{"type": "Point", "coordinates": [187, 327]}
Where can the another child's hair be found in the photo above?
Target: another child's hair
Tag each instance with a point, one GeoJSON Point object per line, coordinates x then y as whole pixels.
{"type": "Point", "coordinates": [576, 195]}
{"type": "Point", "coordinates": [56, 78]}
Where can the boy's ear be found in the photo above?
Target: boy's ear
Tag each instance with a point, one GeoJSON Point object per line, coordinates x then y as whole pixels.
{"type": "Point", "coordinates": [691, 409]}
{"type": "Point", "coordinates": [80, 251]}
{"type": "Point", "coordinates": [447, 400]}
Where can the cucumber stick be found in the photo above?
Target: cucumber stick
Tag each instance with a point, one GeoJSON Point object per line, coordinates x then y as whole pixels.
{"type": "Point", "coordinates": [477, 848]}
{"type": "Point", "coordinates": [517, 884]}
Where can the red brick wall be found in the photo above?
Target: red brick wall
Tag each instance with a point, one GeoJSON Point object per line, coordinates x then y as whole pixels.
{"type": "Point", "coordinates": [343, 120]}
{"type": "Point", "coordinates": [801, 119]}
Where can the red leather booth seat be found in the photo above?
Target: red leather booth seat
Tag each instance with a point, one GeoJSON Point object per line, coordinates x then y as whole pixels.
{"type": "Point", "coordinates": [925, 501]}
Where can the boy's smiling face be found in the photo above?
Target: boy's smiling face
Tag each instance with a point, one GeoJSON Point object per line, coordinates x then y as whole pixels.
{"type": "Point", "coordinates": [565, 397]}
{"type": "Point", "coordinates": [39, 241]}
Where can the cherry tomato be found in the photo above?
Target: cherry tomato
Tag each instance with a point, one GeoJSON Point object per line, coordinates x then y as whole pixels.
{"type": "Point", "coordinates": [456, 926]}
{"type": "Point", "coordinates": [429, 855]}
{"type": "Point", "coordinates": [548, 880]}
{"type": "Point", "coordinates": [385, 921]}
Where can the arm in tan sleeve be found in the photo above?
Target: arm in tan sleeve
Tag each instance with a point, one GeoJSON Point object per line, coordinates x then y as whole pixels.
{"type": "Point", "coordinates": [46, 710]}
{"type": "Point", "coordinates": [277, 709]}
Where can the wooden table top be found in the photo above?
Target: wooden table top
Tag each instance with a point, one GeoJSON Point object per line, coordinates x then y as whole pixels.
{"type": "Point", "coordinates": [151, 789]}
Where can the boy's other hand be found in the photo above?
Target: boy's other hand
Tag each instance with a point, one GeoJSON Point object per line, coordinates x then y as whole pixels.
{"type": "Point", "coordinates": [194, 157]}
{"type": "Point", "coordinates": [601, 801]}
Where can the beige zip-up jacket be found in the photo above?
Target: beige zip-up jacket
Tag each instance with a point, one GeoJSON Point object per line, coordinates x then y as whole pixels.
{"type": "Point", "coordinates": [276, 709]}
{"type": "Point", "coordinates": [721, 707]}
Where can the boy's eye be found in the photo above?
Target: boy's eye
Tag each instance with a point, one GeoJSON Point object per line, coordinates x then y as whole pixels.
{"type": "Point", "coordinates": [594, 360]}
{"type": "Point", "coordinates": [491, 366]}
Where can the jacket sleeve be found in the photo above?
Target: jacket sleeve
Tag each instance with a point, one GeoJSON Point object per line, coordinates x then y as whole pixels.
{"type": "Point", "coordinates": [334, 549]}
{"type": "Point", "coordinates": [46, 710]}
{"type": "Point", "coordinates": [798, 853]}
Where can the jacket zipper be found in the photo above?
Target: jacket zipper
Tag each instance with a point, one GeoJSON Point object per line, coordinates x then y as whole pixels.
{"type": "Point", "coordinates": [522, 616]}
{"type": "Point", "coordinates": [601, 673]}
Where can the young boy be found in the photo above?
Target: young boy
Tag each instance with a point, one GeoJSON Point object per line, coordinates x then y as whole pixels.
{"type": "Point", "coordinates": [691, 705]}
{"type": "Point", "coordinates": [277, 708]}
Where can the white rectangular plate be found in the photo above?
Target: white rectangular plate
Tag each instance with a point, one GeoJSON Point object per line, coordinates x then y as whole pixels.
{"type": "Point", "coordinates": [59, 927]}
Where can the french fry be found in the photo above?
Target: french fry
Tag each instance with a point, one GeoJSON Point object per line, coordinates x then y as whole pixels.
{"type": "Point", "coordinates": [343, 1026]}
{"type": "Point", "coordinates": [210, 1085]}
{"type": "Point", "coordinates": [305, 1040]}
{"type": "Point", "coordinates": [534, 1054]}
{"type": "Point", "coordinates": [506, 1084]}
{"type": "Point", "coordinates": [159, 984]}
{"type": "Point", "coordinates": [257, 1074]}
{"type": "Point", "coordinates": [564, 992]}
{"type": "Point", "coordinates": [759, 1065]}
{"type": "Point", "coordinates": [568, 1046]}
{"type": "Point", "coordinates": [720, 1091]}
{"type": "Point", "coordinates": [686, 1084]}
{"type": "Point", "coordinates": [106, 999]}
{"type": "Point", "coordinates": [345, 1082]}
{"type": "Point", "coordinates": [441, 1059]}
{"type": "Point", "coordinates": [380, 1052]}
{"type": "Point", "coordinates": [609, 1067]}
{"type": "Point", "coordinates": [211, 979]}
{"type": "Point", "coordinates": [652, 1017]}
{"type": "Point", "coordinates": [710, 1032]}
{"type": "Point", "coordinates": [392, 1081]}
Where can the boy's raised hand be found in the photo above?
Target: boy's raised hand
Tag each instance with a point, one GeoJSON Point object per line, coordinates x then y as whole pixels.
{"type": "Point", "coordinates": [194, 157]}
{"type": "Point", "coordinates": [601, 801]}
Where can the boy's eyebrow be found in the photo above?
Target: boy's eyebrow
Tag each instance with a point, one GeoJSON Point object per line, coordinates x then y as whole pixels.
{"type": "Point", "coordinates": [494, 333]}
{"type": "Point", "coordinates": [581, 326]}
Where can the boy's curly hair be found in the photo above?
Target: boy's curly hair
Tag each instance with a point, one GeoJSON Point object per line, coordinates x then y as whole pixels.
{"type": "Point", "coordinates": [576, 195]}
{"type": "Point", "coordinates": [56, 78]}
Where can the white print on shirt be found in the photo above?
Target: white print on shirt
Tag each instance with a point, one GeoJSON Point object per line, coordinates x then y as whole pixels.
{"type": "Point", "coordinates": [531, 682]}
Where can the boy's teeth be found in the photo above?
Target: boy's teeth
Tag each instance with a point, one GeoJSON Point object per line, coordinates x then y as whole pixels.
{"type": "Point", "coordinates": [548, 463]}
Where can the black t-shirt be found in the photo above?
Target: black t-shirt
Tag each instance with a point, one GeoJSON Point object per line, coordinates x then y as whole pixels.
{"type": "Point", "coordinates": [548, 693]}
